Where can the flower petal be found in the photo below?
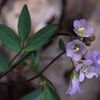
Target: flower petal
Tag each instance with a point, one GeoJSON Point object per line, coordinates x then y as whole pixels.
{"type": "Point", "coordinates": [81, 76]}
{"type": "Point", "coordinates": [69, 53]}
{"type": "Point", "coordinates": [90, 75]}
{"type": "Point", "coordinates": [77, 57]}
{"type": "Point", "coordinates": [88, 62]}
{"type": "Point", "coordinates": [78, 67]}
{"type": "Point", "coordinates": [76, 24]}
{"type": "Point", "coordinates": [74, 86]}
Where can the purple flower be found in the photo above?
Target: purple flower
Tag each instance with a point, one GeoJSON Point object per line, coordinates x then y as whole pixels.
{"type": "Point", "coordinates": [95, 57]}
{"type": "Point", "coordinates": [82, 28]}
{"type": "Point", "coordinates": [75, 49]}
{"type": "Point", "coordinates": [86, 69]}
{"type": "Point", "coordinates": [74, 85]}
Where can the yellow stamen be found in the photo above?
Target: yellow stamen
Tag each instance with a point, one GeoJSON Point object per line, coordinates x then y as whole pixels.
{"type": "Point", "coordinates": [80, 31]}
{"type": "Point", "coordinates": [76, 48]}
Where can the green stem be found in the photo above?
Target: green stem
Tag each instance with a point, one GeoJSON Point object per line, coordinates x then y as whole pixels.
{"type": "Point", "coordinates": [34, 77]}
{"type": "Point", "coordinates": [15, 65]}
{"type": "Point", "coordinates": [72, 63]}
{"type": "Point", "coordinates": [14, 58]}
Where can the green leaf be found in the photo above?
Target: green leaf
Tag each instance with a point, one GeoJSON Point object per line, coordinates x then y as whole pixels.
{"type": "Point", "coordinates": [41, 37]}
{"type": "Point", "coordinates": [24, 23]}
{"type": "Point", "coordinates": [48, 93]}
{"type": "Point", "coordinates": [61, 45]}
{"type": "Point", "coordinates": [44, 93]}
{"type": "Point", "coordinates": [4, 61]}
{"type": "Point", "coordinates": [32, 96]}
{"type": "Point", "coordinates": [35, 58]}
{"type": "Point", "coordinates": [9, 38]}
{"type": "Point", "coordinates": [34, 61]}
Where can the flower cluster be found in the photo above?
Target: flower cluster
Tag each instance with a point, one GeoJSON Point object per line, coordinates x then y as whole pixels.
{"type": "Point", "coordinates": [88, 62]}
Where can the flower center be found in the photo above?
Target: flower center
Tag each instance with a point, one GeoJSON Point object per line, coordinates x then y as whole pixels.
{"type": "Point", "coordinates": [80, 31]}
{"type": "Point", "coordinates": [84, 68]}
{"type": "Point", "coordinates": [76, 48]}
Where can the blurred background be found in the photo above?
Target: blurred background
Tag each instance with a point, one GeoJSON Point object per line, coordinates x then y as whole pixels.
{"type": "Point", "coordinates": [61, 12]}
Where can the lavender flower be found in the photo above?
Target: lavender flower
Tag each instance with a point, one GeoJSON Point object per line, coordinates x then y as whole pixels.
{"type": "Point", "coordinates": [82, 28]}
{"type": "Point", "coordinates": [74, 85]}
{"type": "Point", "coordinates": [86, 69]}
{"type": "Point", "coordinates": [75, 49]}
{"type": "Point", "coordinates": [95, 57]}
